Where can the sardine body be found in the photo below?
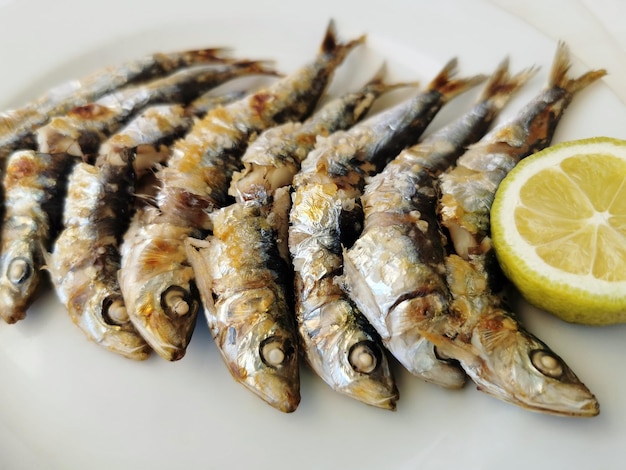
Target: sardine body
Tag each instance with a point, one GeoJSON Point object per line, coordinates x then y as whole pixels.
{"type": "Point", "coordinates": [481, 331]}
{"type": "Point", "coordinates": [17, 125]}
{"type": "Point", "coordinates": [84, 261]}
{"type": "Point", "coordinates": [85, 258]}
{"type": "Point", "coordinates": [81, 131]}
{"type": "Point", "coordinates": [273, 158]}
{"type": "Point", "coordinates": [325, 216]}
{"type": "Point", "coordinates": [394, 272]}
{"type": "Point", "coordinates": [154, 261]}
{"type": "Point", "coordinates": [83, 283]}
{"type": "Point", "coordinates": [242, 281]}
{"type": "Point", "coordinates": [257, 223]}
{"type": "Point", "coordinates": [34, 183]}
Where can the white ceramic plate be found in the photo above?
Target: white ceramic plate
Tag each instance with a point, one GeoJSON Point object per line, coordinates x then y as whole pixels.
{"type": "Point", "coordinates": [67, 404]}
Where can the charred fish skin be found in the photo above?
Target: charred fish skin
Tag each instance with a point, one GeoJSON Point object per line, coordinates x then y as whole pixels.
{"type": "Point", "coordinates": [242, 282]}
{"type": "Point", "coordinates": [85, 258]}
{"type": "Point", "coordinates": [289, 99]}
{"type": "Point", "coordinates": [346, 355]}
{"type": "Point", "coordinates": [79, 134]}
{"type": "Point", "coordinates": [83, 283]}
{"type": "Point", "coordinates": [81, 131]}
{"type": "Point", "coordinates": [394, 272]}
{"type": "Point", "coordinates": [481, 332]}
{"type": "Point", "coordinates": [338, 343]}
{"type": "Point", "coordinates": [17, 125]}
{"type": "Point", "coordinates": [34, 183]}
{"type": "Point", "coordinates": [272, 160]}
{"type": "Point", "coordinates": [257, 223]}
{"type": "Point", "coordinates": [502, 358]}
{"type": "Point", "coordinates": [156, 277]}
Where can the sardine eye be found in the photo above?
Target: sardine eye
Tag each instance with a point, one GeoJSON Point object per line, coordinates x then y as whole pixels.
{"type": "Point", "coordinates": [547, 363]}
{"type": "Point", "coordinates": [114, 311]}
{"type": "Point", "coordinates": [275, 351]}
{"type": "Point", "coordinates": [442, 356]}
{"type": "Point", "coordinates": [19, 270]}
{"type": "Point", "coordinates": [176, 302]}
{"type": "Point", "coordinates": [364, 357]}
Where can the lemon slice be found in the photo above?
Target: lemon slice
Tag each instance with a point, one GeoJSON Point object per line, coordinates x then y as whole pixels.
{"type": "Point", "coordinates": [558, 225]}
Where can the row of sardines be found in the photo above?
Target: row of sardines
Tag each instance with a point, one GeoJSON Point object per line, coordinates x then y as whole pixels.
{"type": "Point", "coordinates": [304, 231]}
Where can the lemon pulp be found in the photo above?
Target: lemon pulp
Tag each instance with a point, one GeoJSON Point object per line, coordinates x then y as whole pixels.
{"type": "Point", "coordinates": [559, 229]}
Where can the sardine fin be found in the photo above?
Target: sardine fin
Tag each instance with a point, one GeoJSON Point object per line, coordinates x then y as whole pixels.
{"type": "Point", "coordinates": [196, 255]}
{"type": "Point", "coordinates": [378, 85]}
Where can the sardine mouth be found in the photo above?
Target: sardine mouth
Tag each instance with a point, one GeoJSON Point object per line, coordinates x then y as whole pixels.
{"type": "Point", "coordinates": [380, 392]}
{"type": "Point", "coordinates": [588, 409]}
{"type": "Point", "coordinates": [176, 354]}
{"type": "Point", "coordinates": [385, 402]}
{"type": "Point", "coordinates": [567, 407]}
{"type": "Point", "coordinates": [282, 393]}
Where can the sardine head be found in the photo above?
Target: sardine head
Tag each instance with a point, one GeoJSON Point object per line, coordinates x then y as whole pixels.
{"type": "Point", "coordinates": [100, 312]}
{"type": "Point", "coordinates": [513, 365]}
{"type": "Point", "coordinates": [346, 353]}
{"type": "Point", "coordinates": [415, 352]}
{"type": "Point", "coordinates": [164, 312]}
{"type": "Point", "coordinates": [254, 332]}
{"type": "Point", "coordinates": [370, 379]}
{"type": "Point", "coordinates": [19, 279]}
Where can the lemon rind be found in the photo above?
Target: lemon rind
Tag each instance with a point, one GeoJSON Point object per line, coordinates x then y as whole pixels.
{"type": "Point", "coordinates": [575, 298]}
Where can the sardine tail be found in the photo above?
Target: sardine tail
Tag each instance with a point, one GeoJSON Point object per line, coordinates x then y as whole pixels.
{"type": "Point", "coordinates": [501, 85]}
{"type": "Point", "coordinates": [561, 67]}
{"type": "Point", "coordinates": [378, 85]}
{"type": "Point", "coordinates": [378, 80]}
{"type": "Point", "coordinates": [445, 74]}
{"type": "Point", "coordinates": [449, 87]}
{"type": "Point", "coordinates": [331, 45]}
